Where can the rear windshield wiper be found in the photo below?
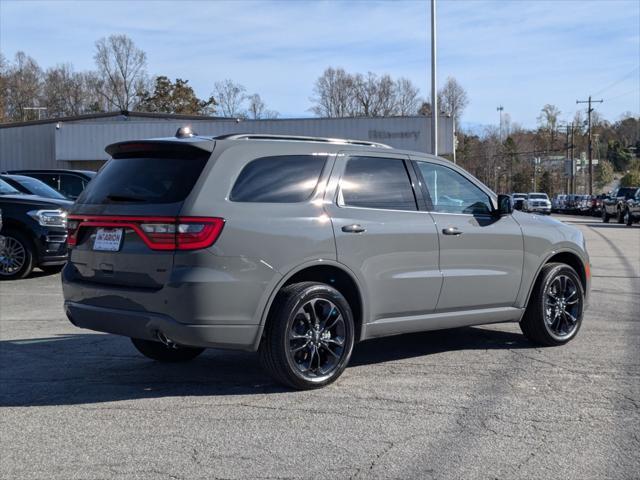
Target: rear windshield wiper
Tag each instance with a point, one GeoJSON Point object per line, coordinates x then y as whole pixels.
{"type": "Point", "coordinates": [125, 198]}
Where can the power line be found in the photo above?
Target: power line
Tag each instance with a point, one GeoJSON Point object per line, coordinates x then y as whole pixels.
{"type": "Point", "coordinates": [635, 90]}
{"type": "Point", "coordinates": [626, 75]}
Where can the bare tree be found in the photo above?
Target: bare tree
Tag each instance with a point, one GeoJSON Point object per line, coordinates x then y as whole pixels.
{"type": "Point", "coordinates": [334, 94]}
{"type": "Point", "coordinates": [407, 97]}
{"type": "Point", "coordinates": [375, 96]}
{"type": "Point", "coordinates": [3, 86]}
{"type": "Point", "coordinates": [257, 108]}
{"type": "Point", "coordinates": [22, 88]}
{"type": "Point", "coordinates": [121, 70]}
{"type": "Point", "coordinates": [65, 91]}
{"type": "Point", "coordinates": [452, 100]}
{"type": "Point", "coordinates": [229, 96]}
{"type": "Point", "coordinates": [548, 122]}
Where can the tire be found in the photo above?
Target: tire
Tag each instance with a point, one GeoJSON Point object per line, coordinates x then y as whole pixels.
{"type": "Point", "coordinates": [162, 353]}
{"type": "Point", "coordinates": [605, 216]}
{"type": "Point", "coordinates": [620, 216]}
{"type": "Point", "coordinates": [51, 269]}
{"type": "Point", "coordinates": [539, 319]}
{"type": "Point", "coordinates": [628, 218]}
{"type": "Point", "coordinates": [17, 257]}
{"type": "Point", "coordinates": [304, 310]}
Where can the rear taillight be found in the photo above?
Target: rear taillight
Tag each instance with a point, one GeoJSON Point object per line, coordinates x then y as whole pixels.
{"type": "Point", "coordinates": [158, 233]}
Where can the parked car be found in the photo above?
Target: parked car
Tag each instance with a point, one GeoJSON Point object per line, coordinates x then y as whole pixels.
{"type": "Point", "coordinates": [596, 205]}
{"type": "Point", "coordinates": [518, 200]}
{"type": "Point", "coordinates": [299, 247]}
{"type": "Point", "coordinates": [34, 229]}
{"type": "Point", "coordinates": [557, 203]}
{"type": "Point", "coordinates": [614, 204]}
{"type": "Point", "coordinates": [632, 209]}
{"type": "Point", "coordinates": [584, 205]}
{"type": "Point", "coordinates": [31, 186]}
{"type": "Point", "coordinates": [69, 183]}
{"type": "Point", "coordinates": [537, 203]}
{"type": "Point", "coordinates": [2, 241]}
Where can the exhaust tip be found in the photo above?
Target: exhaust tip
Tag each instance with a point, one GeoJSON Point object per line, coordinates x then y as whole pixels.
{"type": "Point", "coordinates": [166, 341]}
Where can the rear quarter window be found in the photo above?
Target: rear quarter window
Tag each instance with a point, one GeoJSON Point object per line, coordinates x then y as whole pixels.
{"type": "Point", "coordinates": [278, 179]}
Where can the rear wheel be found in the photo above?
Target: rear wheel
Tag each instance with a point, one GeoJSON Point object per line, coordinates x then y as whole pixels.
{"type": "Point", "coordinates": [554, 312]}
{"type": "Point", "coordinates": [164, 353]}
{"type": "Point", "coordinates": [17, 256]}
{"type": "Point", "coordinates": [605, 216]}
{"type": "Point", "coordinates": [309, 336]}
{"type": "Point", "coordinates": [620, 216]}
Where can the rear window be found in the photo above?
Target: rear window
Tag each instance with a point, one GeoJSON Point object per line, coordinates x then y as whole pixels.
{"type": "Point", "coordinates": [144, 180]}
{"type": "Point", "coordinates": [278, 179]}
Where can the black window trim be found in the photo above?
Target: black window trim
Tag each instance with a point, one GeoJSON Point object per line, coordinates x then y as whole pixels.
{"type": "Point", "coordinates": [427, 195]}
{"type": "Point", "coordinates": [339, 200]}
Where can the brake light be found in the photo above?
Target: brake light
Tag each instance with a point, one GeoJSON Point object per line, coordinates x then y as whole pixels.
{"type": "Point", "coordinates": [158, 233]}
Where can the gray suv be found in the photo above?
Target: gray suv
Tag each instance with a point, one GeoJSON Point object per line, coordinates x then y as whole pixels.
{"type": "Point", "coordinates": [300, 247]}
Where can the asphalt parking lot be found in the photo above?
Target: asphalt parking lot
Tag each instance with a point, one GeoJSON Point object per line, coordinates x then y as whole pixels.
{"type": "Point", "coordinates": [466, 403]}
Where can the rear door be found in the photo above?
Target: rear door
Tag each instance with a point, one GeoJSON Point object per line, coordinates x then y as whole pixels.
{"type": "Point", "coordinates": [106, 222]}
{"type": "Point", "coordinates": [382, 237]}
{"type": "Point", "coordinates": [481, 256]}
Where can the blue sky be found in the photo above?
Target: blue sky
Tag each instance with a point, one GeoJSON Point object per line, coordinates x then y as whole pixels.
{"type": "Point", "coordinates": [517, 53]}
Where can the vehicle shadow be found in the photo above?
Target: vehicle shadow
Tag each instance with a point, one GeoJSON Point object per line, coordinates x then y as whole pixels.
{"type": "Point", "coordinates": [94, 368]}
{"type": "Point", "coordinates": [607, 225]}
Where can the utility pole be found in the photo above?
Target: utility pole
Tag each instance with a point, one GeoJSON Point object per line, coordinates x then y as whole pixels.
{"type": "Point", "coordinates": [434, 89]}
{"type": "Point", "coordinates": [500, 109]}
{"type": "Point", "coordinates": [589, 110]}
{"type": "Point", "coordinates": [573, 160]}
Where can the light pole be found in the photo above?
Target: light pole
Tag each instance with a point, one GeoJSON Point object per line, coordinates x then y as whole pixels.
{"type": "Point", "coordinates": [434, 90]}
{"type": "Point", "coordinates": [500, 109]}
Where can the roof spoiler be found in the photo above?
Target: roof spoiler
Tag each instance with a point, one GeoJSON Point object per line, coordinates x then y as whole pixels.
{"type": "Point", "coordinates": [191, 146]}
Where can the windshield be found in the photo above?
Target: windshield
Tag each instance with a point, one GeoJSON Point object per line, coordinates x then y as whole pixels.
{"type": "Point", "coordinates": [6, 189]}
{"type": "Point", "coordinates": [37, 187]}
{"type": "Point", "coordinates": [144, 180]}
{"type": "Point", "coordinates": [538, 196]}
{"type": "Point", "coordinates": [627, 192]}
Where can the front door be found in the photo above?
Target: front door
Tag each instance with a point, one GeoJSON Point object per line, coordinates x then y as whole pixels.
{"type": "Point", "coordinates": [382, 237]}
{"type": "Point", "coordinates": [481, 255]}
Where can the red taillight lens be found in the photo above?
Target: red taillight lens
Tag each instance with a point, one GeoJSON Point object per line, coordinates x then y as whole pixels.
{"type": "Point", "coordinates": [158, 233]}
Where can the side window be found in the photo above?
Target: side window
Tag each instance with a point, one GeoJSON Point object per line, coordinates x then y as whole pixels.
{"type": "Point", "coordinates": [374, 182]}
{"type": "Point", "coordinates": [281, 179]}
{"type": "Point", "coordinates": [71, 186]}
{"type": "Point", "coordinates": [450, 192]}
{"type": "Point", "coordinates": [51, 179]}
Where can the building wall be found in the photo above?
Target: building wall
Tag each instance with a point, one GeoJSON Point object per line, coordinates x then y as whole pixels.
{"type": "Point", "coordinates": [31, 146]}
{"type": "Point", "coordinates": [80, 144]}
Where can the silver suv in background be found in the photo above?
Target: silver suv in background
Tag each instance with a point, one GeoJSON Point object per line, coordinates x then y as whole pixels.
{"type": "Point", "coordinates": [537, 203]}
{"type": "Point", "coordinates": [300, 247]}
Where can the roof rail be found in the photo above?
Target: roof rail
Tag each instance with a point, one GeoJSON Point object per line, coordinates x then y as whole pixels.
{"type": "Point", "coordinates": [298, 138]}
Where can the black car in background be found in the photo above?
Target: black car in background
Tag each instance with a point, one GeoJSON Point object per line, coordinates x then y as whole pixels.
{"type": "Point", "coordinates": [35, 233]}
{"type": "Point", "coordinates": [632, 209]}
{"type": "Point", "coordinates": [31, 186]}
{"type": "Point", "coordinates": [69, 183]}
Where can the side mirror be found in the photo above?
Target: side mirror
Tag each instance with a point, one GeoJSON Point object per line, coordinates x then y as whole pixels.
{"type": "Point", "coordinates": [505, 205]}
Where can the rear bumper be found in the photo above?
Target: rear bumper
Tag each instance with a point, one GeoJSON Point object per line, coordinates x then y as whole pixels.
{"type": "Point", "coordinates": [146, 326]}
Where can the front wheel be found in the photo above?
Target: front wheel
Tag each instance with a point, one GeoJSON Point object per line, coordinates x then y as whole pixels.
{"type": "Point", "coordinates": [620, 216]}
{"type": "Point", "coordinates": [164, 353]}
{"type": "Point", "coordinates": [17, 256]}
{"type": "Point", "coordinates": [628, 218]}
{"type": "Point", "coordinates": [555, 309]}
{"type": "Point", "coordinates": [309, 336]}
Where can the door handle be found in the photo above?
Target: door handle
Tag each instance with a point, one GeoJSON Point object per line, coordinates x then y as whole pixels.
{"type": "Point", "coordinates": [355, 228]}
{"type": "Point", "coordinates": [451, 231]}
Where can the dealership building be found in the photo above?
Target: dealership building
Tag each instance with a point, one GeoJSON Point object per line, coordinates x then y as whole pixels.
{"type": "Point", "coordinates": [79, 142]}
